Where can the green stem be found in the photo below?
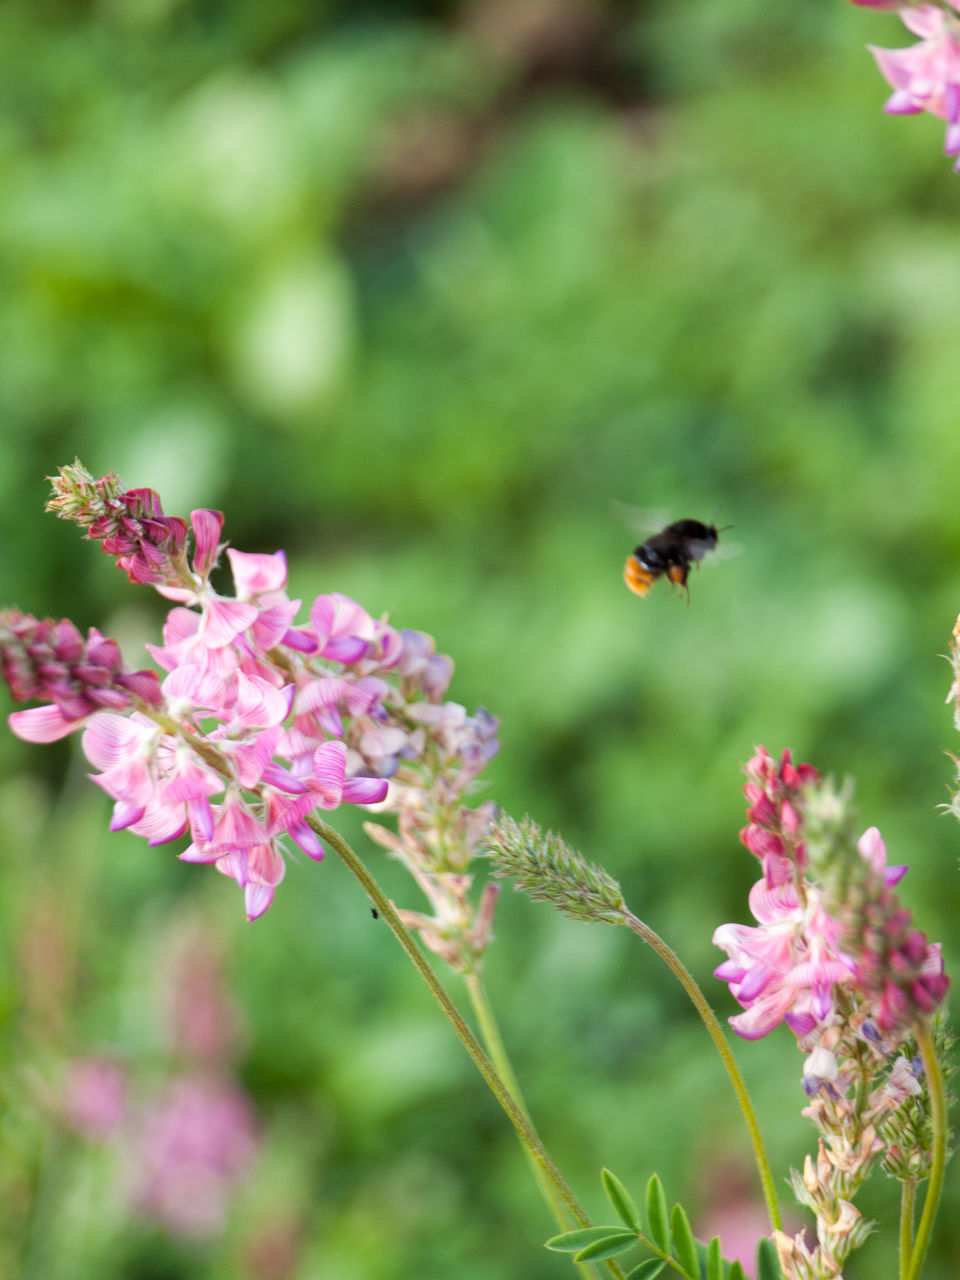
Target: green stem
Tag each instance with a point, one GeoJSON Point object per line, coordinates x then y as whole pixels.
{"type": "Point", "coordinates": [686, 980]}
{"type": "Point", "coordinates": [493, 1043]}
{"type": "Point", "coordinates": [908, 1196]}
{"type": "Point", "coordinates": [938, 1115]}
{"type": "Point", "coordinates": [525, 1130]}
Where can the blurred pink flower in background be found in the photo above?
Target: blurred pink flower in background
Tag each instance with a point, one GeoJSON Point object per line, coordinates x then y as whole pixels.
{"type": "Point", "coordinates": [186, 1143]}
{"type": "Point", "coordinates": [190, 1148]}
{"type": "Point", "coordinates": [93, 1098]}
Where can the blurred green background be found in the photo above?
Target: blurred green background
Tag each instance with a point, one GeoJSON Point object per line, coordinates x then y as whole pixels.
{"type": "Point", "coordinates": [414, 290]}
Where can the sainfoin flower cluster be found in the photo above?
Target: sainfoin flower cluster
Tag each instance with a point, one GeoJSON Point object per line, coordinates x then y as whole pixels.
{"type": "Point", "coordinates": [258, 720]}
{"type": "Point", "coordinates": [835, 957]}
{"type": "Point", "coordinates": [925, 76]}
{"type": "Point", "coordinates": [183, 1145]}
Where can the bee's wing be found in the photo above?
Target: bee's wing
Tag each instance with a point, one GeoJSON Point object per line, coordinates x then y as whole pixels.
{"type": "Point", "coordinates": [641, 521]}
{"type": "Point", "coordinates": [723, 551]}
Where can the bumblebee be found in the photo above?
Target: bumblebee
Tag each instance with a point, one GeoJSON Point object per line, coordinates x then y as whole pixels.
{"type": "Point", "coordinates": [670, 554]}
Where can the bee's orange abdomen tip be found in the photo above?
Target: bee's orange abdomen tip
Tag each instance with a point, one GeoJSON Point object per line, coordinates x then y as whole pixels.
{"type": "Point", "coordinates": [638, 579]}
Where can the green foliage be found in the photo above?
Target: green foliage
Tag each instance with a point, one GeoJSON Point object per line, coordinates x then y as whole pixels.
{"type": "Point", "coordinates": [715, 1267]}
{"type": "Point", "coordinates": [619, 1197]}
{"type": "Point", "coordinates": [684, 1245]}
{"type": "Point", "coordinates": [647, 1270]}
{"type": "Point", "coordinates": [675, 1244]}
{"type": "Point", "coordinates": [768, 1267]}
{"type": "Point", "coordinates": [657, 1218]}
{"type": "Point", "coordinates": [581, 1238]}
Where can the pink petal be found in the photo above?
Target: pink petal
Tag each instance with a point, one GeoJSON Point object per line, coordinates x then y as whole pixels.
{"type": "Point", "coordinates": [255, 573]}
{"type": "Point", "coordinates": [223, 620]}
{"type": "Point", "coordinates": [41, 724]}
{"type": "Point", "coordinates": [337, 615]}
{"type": "Point", "coordinates": [109, 739]}
{"type": "Point", "coordinates": [924, 21]}
{"type": "Point", "coordinates": [206, 527]}
{"type": "Point", "coordinates": [161, 822]}
{"type": "Point", "coordinates": [196, 686]}
{"type": "Point", "coordinates": [363, 695]}
{"type": "Point", "coordinates": [308, 840]}
{"type": "Point", "coordinates": [346, 649]}
{"type": "Point", "coordinates": [257, 898]}
{"type": "Point", "coordinates": [329, 765]}
{"type": "Point", "coordinates": [198, 853]}
{"type": "Point", "coordinates": [364, 790]}
{"type": "Point", "coordinates": [125, 814]}
{"type": "Point", "coordinates": [871, 848]}
{"type": "Point", "coordinates": [321, 692]}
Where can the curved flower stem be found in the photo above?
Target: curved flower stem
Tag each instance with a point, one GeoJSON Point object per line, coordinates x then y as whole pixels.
{"type": "Point", "coordinates": [908, 1196]}
{"type": "Point", "coordinates": [687, 981]}
{"type": "Point", "coordinates": [938, 1115]}
{"type": "Point", "coordinates": [525, 1130]}
{"type": "Point", "coordinates": [493, 1043]}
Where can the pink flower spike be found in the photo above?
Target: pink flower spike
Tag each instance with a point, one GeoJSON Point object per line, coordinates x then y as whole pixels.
{"type": "Point", "coordinates": [42, 724]}
{"type": "Point", "coordinates": [206, 527]}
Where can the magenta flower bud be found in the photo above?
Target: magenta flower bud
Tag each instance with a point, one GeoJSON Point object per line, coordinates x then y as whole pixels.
{"type": "Point", "coordinates": [50, 662]}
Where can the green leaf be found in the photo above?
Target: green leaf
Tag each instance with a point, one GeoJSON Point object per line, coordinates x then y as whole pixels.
{"type": "Point", "coordinates": [714, 1259]}
{"type": "Point", "coordinates": [619, 1197]}
{"type": "Point", "coordinates": [735, 1272]}
{"type": "Point", "coordinates": [768, 1265]}
{"type": "Point", "coordinates": [684, 1245]}
{"type": "Point", "coordinates": [571, 1241]}
{"type": "Point", "coordinates": [657, 1214]}
{"type": "Point", "coordinates": [618, 1241]}
{"type": "Point", "coordinates": [646, 1270]}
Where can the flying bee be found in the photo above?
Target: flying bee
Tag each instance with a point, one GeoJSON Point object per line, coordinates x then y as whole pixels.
{"type": "Point", "coordinates": [670, 554]}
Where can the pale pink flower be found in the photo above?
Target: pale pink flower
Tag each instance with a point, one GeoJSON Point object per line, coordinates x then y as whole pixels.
{"type": "Point", "coordinates": [276, 719]}
{"type": "Point", "coordinates": [192, 1146]}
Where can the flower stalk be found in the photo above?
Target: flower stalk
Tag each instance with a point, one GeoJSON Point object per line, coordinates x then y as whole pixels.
{"type": "Point", "coordinates": [515, 1113]}
{"type": "Point", "coordinates": [550, 870]}
{"type": "Point", "coordinates": [938, 1114]}
{"type": "Point", "coordinates": [715, 1031]}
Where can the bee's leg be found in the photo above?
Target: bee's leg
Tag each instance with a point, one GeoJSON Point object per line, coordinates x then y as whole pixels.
{"type": "Point", "coordinates": [677, 573]}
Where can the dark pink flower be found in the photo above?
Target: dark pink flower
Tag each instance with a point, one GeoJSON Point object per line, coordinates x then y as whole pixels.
{"type": "Point", "coordinates": [50, 662]}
